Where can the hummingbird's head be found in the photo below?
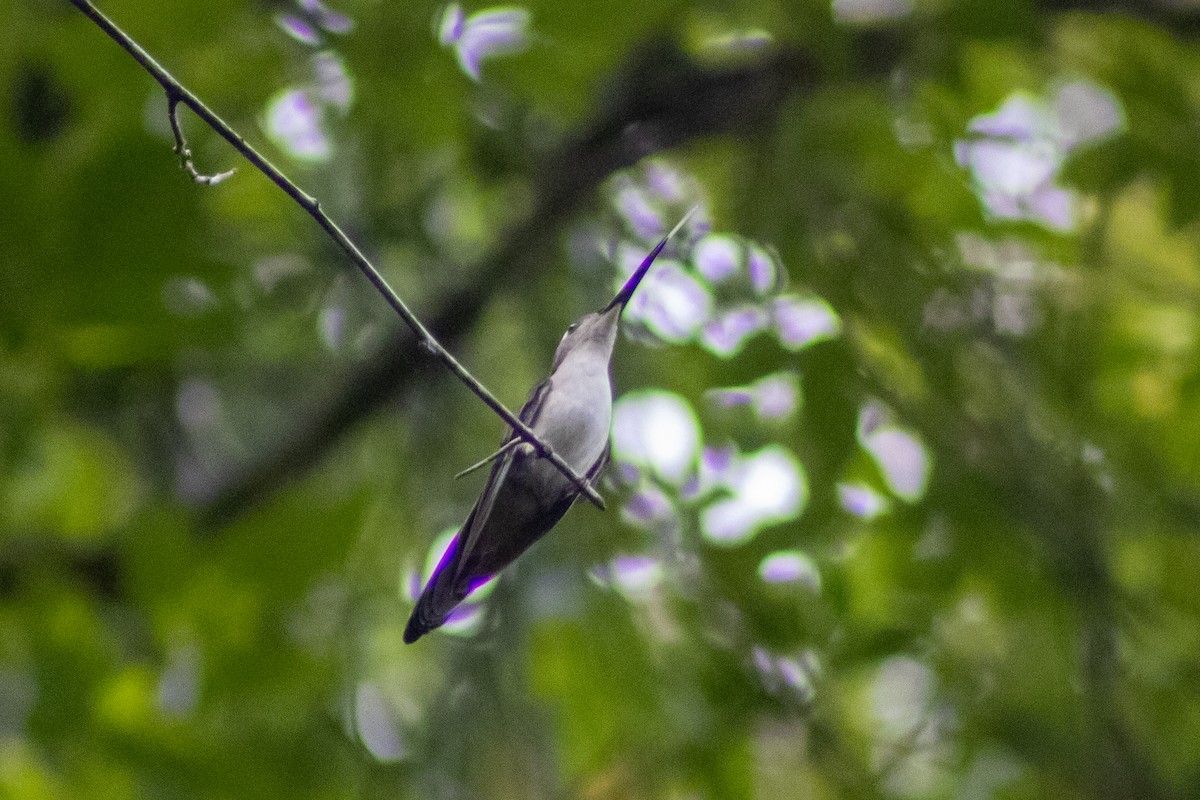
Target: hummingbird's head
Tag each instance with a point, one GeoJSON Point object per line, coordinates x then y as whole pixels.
{"type": "Point", "coordinates": [595, 334]}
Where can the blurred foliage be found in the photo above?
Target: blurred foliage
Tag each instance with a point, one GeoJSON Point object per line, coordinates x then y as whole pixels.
{"type": "Point", "coordinates": [984, 584]}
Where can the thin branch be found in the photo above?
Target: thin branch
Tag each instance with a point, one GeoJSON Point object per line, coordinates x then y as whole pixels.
{"type": "Point", "coordinates": [177, 93]}
{"type": "Point", "coordinates": [509, 445]}
{"type": "Point", "coordinates": [184, 152]}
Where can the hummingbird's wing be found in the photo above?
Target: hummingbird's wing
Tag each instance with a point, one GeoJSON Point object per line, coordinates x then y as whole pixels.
{"type": "Point", "coordinates": [483, 507]}
{"type": "Point", "coordinates": [450, 582]}
{"type": "Point", "coordinates": [597, 469]}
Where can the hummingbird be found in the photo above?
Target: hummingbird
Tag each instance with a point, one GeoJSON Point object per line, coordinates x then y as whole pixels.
{"type": "Point", "coordinates": [525, 495]}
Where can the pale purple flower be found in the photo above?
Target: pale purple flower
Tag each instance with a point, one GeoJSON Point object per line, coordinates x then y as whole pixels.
{"type": "Point", "coordinates": [793, 675]}
{"type": "Point", "coordinates": [666, 182]}
{"type": "Point", "coordinates": [764, 275]}
{"type": "Point", "coordinates": [648, 506]}
{"type": "Point", "coordinates": [715, 464]}
{"type": "Point", "coordinates": [797, 677]}
{"type": "Point", "coordinates": [717, 257]}
{"type": "Point", "coordinates": [299, 29]}
{"type": "Point", "coordinates": [376, 725]}
{"type": "Point", "coordinates": [899, 453]}
{"type": "Point", "coordinates": [626, 473]}
{"type": "Point", "coordinates": [411, 583]}
{"type": "Point", "coordinates": [637, 210]}
{"type": "Point", "coordinates": [333, 82]}
{"type": "Point", "coordinates": [671, 303]}
{"type": "Point", "coordinates": [335, 22]}
{"type": "Point", "coordinates": [902, 459]}
{"type": "Point", "coordinates": [1055, 206]}
{"type": "Point", "coordinates": [1087, 112]}
{"type": "Point", "coordinates": [731, 398]}
{"type": "Point", "coordinates": [804, 321]}
{"type": "Point", "coordinates": [772, 397]}
{"type": "Point", "coordinates": [791, 566]}
{"type": "Point", "coordinates": [766, 487]}
{"type": "Point", "coordinates": [1009, 167]}
{"type": "Point", "coordinates": [452, 24]}
{"type": "Point", "coordinates": [727, 333]}
{"type": "Point", "coordinates": [464, 620]}
{"type": "Point", "coordinates": [1016, 153]}
{"type": "Point", "coordinates": [657, 430]}
{"type": "Point", "coordinates": [861, 500]}
{"type": "Point", "coordinates": [635, 576]}
{"type": "Point", "coordinates": [729, 522]}
{"type": "Point", "coordinates": [294, 123]}
{"type": "Point", "coordinates": [488, 34]}
{"type": "Point", "coordinates": [777, 396]}
{"type": "Point", "coordinates": [1019, 117]}
{"type": "Point", "coordinates": [315, 16]}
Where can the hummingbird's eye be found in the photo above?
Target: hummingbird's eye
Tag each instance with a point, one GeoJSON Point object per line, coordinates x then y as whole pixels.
{"type": "Point", "coordinates": [571, 328]}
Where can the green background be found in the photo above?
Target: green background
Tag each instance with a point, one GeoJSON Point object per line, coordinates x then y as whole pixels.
{"type": "Point", "coordinates": [208, 514]}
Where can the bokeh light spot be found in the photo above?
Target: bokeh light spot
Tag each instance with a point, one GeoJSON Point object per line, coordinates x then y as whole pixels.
{"type": "Point", "coordinates": [773, 397]}
{"type": "Point", "coordinates": [804, 321]}
{"type": "Point", "coordinates": [634, 576]}
{"type": "Point", "coordinates": [671, 303]}
{"type": "Point", "coordinates": [187, 297]}
{"type": "Point", "coordinates": [1015, 153]}
{"type": "Point", "coordinates": [299, 29]}
{"type": "Point", "coordinates": [861, 500]}
{"type": "Point", "coordinates": [293, 122]}
{"type": "Point", "coordinates": [333, 80]}
{"type": "Point", "coordinates": [767, 487]}
{"type": "Point", "coordinates": [791, 566]}
{"type": "Point", "coordinates": [902, 459]}
{"type": "Point", "coordinates": [726, 334]}
{"type": "Point", "coordinates": [376, 727]}
{"type": "Point", "coordinates": [861, 12]}
{"type": "Point", "coordinates": [717, 257]}
{"type": "Point", "coordinates": [484, 35]}
{"type": "Point", "coordinates": [657, 430]}
{"type": "Point", "coordinates": [732, 42]}
{"type": "Point", "coordinates": [765, 275]}
{"type": "Point", "coordinates": [649, 507]}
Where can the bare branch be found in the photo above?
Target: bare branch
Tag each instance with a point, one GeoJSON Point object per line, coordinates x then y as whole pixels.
{"type": "Point", "coordinates": [184, 152]}
{"type": "Point", "coordinates": [509, 445]}
{"type": "Point", "coordinates": [178, 93]}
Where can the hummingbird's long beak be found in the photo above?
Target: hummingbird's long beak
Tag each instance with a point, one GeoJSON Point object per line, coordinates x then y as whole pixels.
{"type": "Point", "coordinates": [626, 292]}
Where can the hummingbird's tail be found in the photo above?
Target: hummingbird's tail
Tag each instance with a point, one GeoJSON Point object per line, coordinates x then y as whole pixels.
{"type": "Point", "coordinates": [421, 622]}
{"type": "Point", "coordinates": [441, 595]}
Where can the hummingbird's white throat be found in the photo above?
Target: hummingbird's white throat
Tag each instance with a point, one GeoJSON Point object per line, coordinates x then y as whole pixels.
{"type": "Point", "coordinates": [578, 412]}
